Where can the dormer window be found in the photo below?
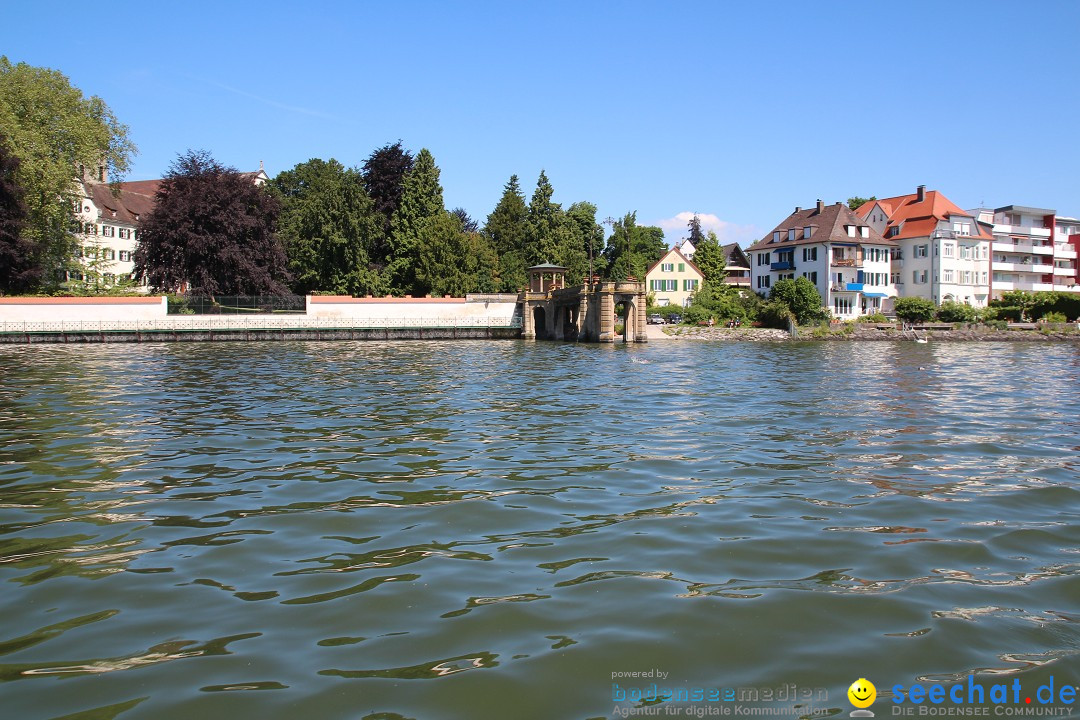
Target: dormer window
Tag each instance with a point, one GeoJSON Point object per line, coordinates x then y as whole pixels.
{"type": "Point", "coordinates": [864, 232]}
{"type": "Point", "coordinates": [807, 232]}
{"type": "Point", "coordinates": [791, 234]}
{"type": "Point", "coordinates": [776, 236]}
{"type": "Point", "coordinates": [851, 231]}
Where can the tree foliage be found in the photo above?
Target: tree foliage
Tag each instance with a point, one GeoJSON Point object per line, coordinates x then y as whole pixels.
{"type": "Point", "coordinates": [710, 259]}
{"type": "Point", "coordinates": [453, 262]}
{"type": "Point", "coordinates": [329, 227]}
{"type": "Point", "coordinates": [954, 312]}
{"type": "Point", "coordinates": [421, 199]}
{"type": "Point", "coordinates": [53, 129]}
{"type": "Point", "coordinates": [18, 272]}
{"type": "Point", "coordinates": [914, 309]}
{"type": "Point", "coordinates": [541, 224]}
{"type": "Point", "coordinates": [505, 230]}
{"type": "Point", "coordinates": [857, 202]}
{"type": "Point", "coordinates": [802, 298]}
{"type": "Point", "coordinates": [632, 248]}
{"type": "Point", "coordinates": [384, 174]}
{"type": "Point", "coordinates": [696, 235]}
{"type": "Point", "coordinates": [213, 229]}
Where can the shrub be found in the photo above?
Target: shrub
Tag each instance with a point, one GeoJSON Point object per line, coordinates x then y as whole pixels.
{"type": "Point", "coordinates": [996, 324]}
{"type": "Point", "coordinates": [915, 309]}
{"type": "Point", "coordinates": [775, 314]}
{"type": "Point", "coordinates": [801, 297]}
{"type": "Point", "coordinates": [955, 312]}
{"type": "Point", "coordinates": [1054, 317]}
{"type": "Point", "coordinates": [872, 318]}
{"type": "Point", "coordinates": [696, 314]}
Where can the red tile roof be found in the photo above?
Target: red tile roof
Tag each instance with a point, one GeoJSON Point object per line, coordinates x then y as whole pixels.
{"type": "Point", "coordinates": [919, 219]}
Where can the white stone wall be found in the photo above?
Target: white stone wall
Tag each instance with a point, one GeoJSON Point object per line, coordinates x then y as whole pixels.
{"type": "Point", "coordinates": [81, 309]}
{"type": "Point", "coordinates": [411, 308]}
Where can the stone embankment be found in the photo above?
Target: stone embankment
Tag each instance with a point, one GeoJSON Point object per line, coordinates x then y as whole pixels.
{"type": "Point", "coordinates": [857, 331]}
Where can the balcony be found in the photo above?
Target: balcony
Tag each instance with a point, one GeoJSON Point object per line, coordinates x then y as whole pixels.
{"type": "Point", "coordinates": [785, 265]}
{"type": "Point", "coordinates": [1065, 271]}
{"type": "Point", "coordinates": [854, 287]}
{"type": "Point", "coordinates": [1021, 230]}
{"type": "Point", "coordinates": [847, 262]}
{"type": "Point", "coordinates": [1066, 253]}
{"type": "Point", "coordinates": [1005, 245]}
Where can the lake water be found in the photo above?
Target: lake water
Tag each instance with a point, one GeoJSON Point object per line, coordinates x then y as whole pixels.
{"type": "Point", "coordinates": [492, 529]}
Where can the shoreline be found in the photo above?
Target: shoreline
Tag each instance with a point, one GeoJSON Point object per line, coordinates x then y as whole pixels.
{"type": "Point", "coordinates": [868, 333]}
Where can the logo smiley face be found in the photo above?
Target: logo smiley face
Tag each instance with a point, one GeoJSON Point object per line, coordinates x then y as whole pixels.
{"type": "Point", "coordinates": [862, 693]}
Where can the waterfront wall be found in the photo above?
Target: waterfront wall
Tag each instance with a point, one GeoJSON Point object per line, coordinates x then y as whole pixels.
{"type": "Point", "coordinates": [81, 309]}
{"type": "Point", "coordinates": [491, 309]}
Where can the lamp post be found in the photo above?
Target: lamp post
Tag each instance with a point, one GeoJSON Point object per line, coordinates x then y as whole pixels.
{"type": "Point", "coordinates": [610, 222]}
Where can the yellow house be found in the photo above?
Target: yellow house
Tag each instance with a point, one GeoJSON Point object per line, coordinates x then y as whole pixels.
{"type": "Point", "coordinates": [673, 279]}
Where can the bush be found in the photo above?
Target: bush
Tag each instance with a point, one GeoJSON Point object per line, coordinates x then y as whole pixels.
{"type": "Point", "coordinates": [996, 324]}
{"type": "Point", "coordinates": [955, 312]}
{"type": "Point", "coordinates": [915, 309]}
{"type": "Point", "coordinates": [872, 318]}
{"type": "Point", "coordinates": [775, 314]}
{"type": "Point", "coordinates": [802, 298]}
{"type": "Point", "coordinates": [1004, 313]}
{"type": "Point", "coordinates": [1054, 317]}
{"type": "Point", "coordinates": [696, 314]}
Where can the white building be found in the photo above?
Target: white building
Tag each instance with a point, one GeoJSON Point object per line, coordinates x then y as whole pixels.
{"type": "Point", "coordinates": [1033, 250]}
{"type": "Point", "coordinates": [1066, 250]}
{"type": "Point", "coordinates": [107, 227]}
{"type": "Point", "coordinates": [842, 255]}
{"type": "Point", "coordinates": [943, 252]}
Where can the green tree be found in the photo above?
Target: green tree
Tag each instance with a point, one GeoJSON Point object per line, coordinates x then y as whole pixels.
{"type": "Point", "coordinates": [453, 262]}
{"type": "Point", "coordinates": [915, 309]}
{"type": "Point", "coordinates": [632, 248]}
{"type": "Point", "coordinates": [696, 235]}
{"type": "Point", "coordinates": [801, 297]}
{"type": "Point", "coordinates": [505, 230]}
{"type": "Point", "coordinates": [384, 174]}
{"type": "Point", "coordinates": [857, 202]}
{"type": "Point", "coordinates": [955, 312]}
{"type": "Point", "coordinates": [55, 132]}
{"type": "Point", "coordinates": [542, 224]}
{"type": "Point", "coordinates": [329, 227]}
{"type": "Point", "coordinates": [17, 270]}
{"type": "Point", "coordinates": [212, 229]}
{"type": "Point", "coordinates": [421, 199]}
{"type": "Point", "coordinates": [709, 257]}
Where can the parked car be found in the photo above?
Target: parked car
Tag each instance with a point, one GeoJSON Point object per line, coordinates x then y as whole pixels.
{"type": "Point", "coordinates": [674, 319]}
{"type": "Point", "coordinates": [655, 319]}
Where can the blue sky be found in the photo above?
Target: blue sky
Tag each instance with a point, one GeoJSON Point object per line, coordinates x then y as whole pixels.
{"type": "Point", "coordinates": [738, 111]}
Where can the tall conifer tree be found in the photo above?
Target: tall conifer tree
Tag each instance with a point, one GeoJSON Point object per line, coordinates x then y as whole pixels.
{"type": "Point", "coordinates": [421, 200]}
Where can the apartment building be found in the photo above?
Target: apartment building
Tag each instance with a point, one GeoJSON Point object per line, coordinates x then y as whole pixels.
{"type": "Point", "coordinates": [1033, 249]}
{"type": "Point", "coordinates": [841, 254]}
{"type": "Point", "coordinates": [943, 252]}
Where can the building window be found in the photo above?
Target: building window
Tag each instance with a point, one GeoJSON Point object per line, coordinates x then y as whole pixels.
{"type": "Point", "coordinates": [947, 250]}
{"type": "Point", "coordinates": [776, 236]}
{"type": "Point", "coordinates": [961, 228]}
{"type": "Point", "coordinates": [125, 256]}
{"type": "Point", "coordinates": [108, 254]}
{"type": "Point", "coordinates": [841, 305]}
{"type": "Point", "coordinates": [791, 234]}
{"type": "Point", "coordinates": [947, 276]}
{"type": "Point", "coordinates": [807, 232]}
{"type": "Point", "coordinates": [667, 267]}
{"type": "Point", "coordinates": [921, 251]}
{"type": "Point", "coordinates": [690, 285]}
{"type": "Point", "coordinates": [851, 231]}
{"type": "Point", "coordinates": [682, 267]}
{"type": "Point", "coordinates": [864, 232]}
{"type": "Point", "coordinates": [672, 285]}
{"type": "Point", "coordinates": [108, 231]}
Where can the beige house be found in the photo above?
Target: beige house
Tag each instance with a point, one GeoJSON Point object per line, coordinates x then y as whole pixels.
{"type": "Point", "coordinates": [673, 279]}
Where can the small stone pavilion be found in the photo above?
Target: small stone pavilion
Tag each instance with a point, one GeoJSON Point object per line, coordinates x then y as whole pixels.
{"type": "Point", "coordinates": [586, 313]}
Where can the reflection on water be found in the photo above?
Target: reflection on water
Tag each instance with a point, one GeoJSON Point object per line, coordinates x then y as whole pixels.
{"type": "Point", "coordinates": [478, 529]}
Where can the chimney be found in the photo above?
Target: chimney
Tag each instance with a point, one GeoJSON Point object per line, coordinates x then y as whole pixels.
{"type": "Point", "coordinates": [820, 205]}
{"type": "Point", "coordinates": [797, 209]}
{"type": "Point", "coordinates": [921, 192]}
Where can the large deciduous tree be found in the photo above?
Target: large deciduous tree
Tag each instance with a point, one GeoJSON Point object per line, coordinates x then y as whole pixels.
{"type": "Point", "coordinates": [505, 229]}
{"type": "Point", "coordinates": [213, 229]}
{"type": "Point", "coordinates": [632, 248]}
{"type": "Point", "coordinates": [55, 132]}
{"type": "Point", "coordinates": [18, 271]}
{"type": "Point", "coordinates": [421, 199]}
{"type": "Point", "coordinates": [384, 179]}
{"type": "Point", "coordinates": [329, 227]}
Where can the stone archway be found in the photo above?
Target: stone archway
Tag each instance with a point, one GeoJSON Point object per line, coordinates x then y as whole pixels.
{"type": "Point", "coordinates": [540, 326]}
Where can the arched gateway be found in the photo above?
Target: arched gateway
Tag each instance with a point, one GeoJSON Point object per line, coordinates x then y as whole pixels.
{"type": "Point", "coordinates": [585, 313]}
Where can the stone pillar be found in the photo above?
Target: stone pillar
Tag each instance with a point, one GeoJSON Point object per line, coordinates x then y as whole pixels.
{"type": "Point", "coordinates": [640, 302]}
{"type": "Point", "coordinates": [583, 317]}
{"type": "Point", "coordinates": [607, 318]}
{"type": "Point", "coordinates": [528, 321]}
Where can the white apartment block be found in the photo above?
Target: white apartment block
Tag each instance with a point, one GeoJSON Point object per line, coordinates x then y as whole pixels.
{"type": "Point", "coordinates": [1032, 250]}
{"type": "Point", "coordinates": [842, 255]}
{"type": "Point", "coordinates": [943, 253]}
